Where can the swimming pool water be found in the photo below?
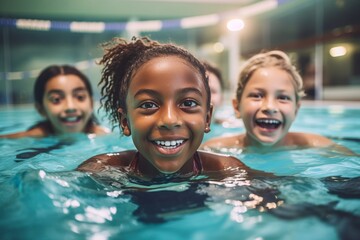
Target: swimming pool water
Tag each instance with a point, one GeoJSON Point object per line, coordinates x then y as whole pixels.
{"type": "Point", "coordinates": [316, 191]}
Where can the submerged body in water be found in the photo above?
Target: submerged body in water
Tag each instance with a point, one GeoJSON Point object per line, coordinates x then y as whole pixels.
{"type": "Point", "coordinates": [83, 205]}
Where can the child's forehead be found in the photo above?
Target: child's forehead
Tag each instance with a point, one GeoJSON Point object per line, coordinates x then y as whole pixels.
{"type": "Point", "coordinates": [64, 81]}
{"type": "Point", "coordinates": [169, 71]}
{"type": "Point", "coordinates": [271, 75]}
{"type": "Point", "coordinates": [163, 65]}
{"type": "Point", "coordinates": [162, 61]}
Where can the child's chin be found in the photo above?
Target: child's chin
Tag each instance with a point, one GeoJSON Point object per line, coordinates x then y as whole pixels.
{"type": "Point", "coordinates": [267, 143]}
{"type": "Point", "coordinates": [168, 171]}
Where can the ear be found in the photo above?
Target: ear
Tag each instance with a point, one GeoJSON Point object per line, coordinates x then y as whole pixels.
{"type": "Point", "coordinates": [208, 118]}
{"type": "Point", "coordinates": [235, 104]}
{"type": "Point", "coordinates": [124, 125]}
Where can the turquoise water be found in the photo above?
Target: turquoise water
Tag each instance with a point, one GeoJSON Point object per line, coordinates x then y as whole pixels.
{"type": "Point", "coordinates": [316, 192]}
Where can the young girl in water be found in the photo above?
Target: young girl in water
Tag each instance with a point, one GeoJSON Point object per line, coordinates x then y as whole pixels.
{"type": "Point", "coordinates": [158, 94]}
{"type": "Point", "coordinates": [63, 96]}
{"type": "Point", "coordinates": [268, 99]}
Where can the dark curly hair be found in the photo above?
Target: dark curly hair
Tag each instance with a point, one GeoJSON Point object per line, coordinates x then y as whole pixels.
{"type": "Point", "coordinates": [121, 61]}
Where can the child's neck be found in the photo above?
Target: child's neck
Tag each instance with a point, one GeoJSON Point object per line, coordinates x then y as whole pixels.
{"type": "Point", "coordinates": [146, 171]}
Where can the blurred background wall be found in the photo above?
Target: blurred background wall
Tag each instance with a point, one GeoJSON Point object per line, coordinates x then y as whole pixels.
{"type": "Point", "coordinates": [321, 36]}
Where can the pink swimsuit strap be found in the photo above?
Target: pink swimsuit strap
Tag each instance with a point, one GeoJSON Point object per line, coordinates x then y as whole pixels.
{"type": "Point", "coordinates": [133, 166]}
{"type": "Point", "coordinates": [197, 164]}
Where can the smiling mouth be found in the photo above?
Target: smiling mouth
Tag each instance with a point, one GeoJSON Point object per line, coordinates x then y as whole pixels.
{"type": "Point", "coordinates": [268, 123]}
{"type": "Point", "coordinates": [169, 144]}
{"type": "Point", "coordinates": [71, 119]}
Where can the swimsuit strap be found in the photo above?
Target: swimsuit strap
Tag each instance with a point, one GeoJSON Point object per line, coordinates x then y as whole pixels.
{"type": "Point", "coordinates": [133, 166]}
{"type": "Point", "coordinates": [197, 164]}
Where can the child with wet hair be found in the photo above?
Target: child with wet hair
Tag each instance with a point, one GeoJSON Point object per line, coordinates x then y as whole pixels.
{"type": "Point", "coordinates": [160, 96]}
{"type": "Point", "coordinates": [267, 100]}
{"type": "Point", "coordinates": [64, 97]}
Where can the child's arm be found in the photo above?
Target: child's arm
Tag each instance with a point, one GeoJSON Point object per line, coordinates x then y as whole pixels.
{"type": "Point", "coordinates": [319, 141]}
{"type": "Point", "coordinates": [221, 163]}
{"type": "Point", "coordinates": [35, 132]}
{"type": "Point", "coordinates": [223, 142]}
{"type": "Point", "coordinates": [93, 164]}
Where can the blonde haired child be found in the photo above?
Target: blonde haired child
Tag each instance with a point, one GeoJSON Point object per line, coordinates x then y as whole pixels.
{"type": "Point", "coordinates": [268, 99]}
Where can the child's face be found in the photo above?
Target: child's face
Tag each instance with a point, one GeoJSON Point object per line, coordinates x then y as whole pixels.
{"type": "Point", "coordinates": [215, 88]}
{"type": "Point", "coordinates": [166, 112]}
{"type": "Point", "coordinates": [268, 106]}
{"type": "Point", "coordinates": [67, 104]}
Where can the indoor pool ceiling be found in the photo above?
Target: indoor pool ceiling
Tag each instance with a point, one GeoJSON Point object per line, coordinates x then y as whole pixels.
{"type": "Point", "coordinates": [116, 10]}
{"type": "Point", "coordinates": [296, 23]}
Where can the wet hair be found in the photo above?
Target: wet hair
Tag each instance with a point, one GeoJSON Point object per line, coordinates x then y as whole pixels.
{"type": "Point", "coordinates": [216, 71]}
{"type": "Point", "coordinates": [53, 71]}
{"type": "Point", "coordinates": [273, 58]}
{"type": "Point", "coordinates": [121, 61]}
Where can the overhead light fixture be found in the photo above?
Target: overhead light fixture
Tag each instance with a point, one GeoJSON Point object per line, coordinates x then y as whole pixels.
{"type": "Point", "coordinates": [235, 25]}
{"type": "Point", "coordinates": [337, 51]}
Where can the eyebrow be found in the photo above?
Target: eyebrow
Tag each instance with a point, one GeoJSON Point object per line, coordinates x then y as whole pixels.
{"type": "Point", "coordinates": [55, 91]}
{"type": "Point", "coordinates": [79, 89]}
{"type": "Point", "coordinates": [181, 91]}
{"type": "Point", "coordinates": [190, 89]}
{"type": "Point", "coordinates": [58, 91]}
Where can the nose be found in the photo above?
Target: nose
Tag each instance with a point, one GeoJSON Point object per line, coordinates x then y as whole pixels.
{"type": "Point", "coordinates": [269, 106]}
{"type": "Point", "coordinates": [169, 117]}
{"type": "Point", "coordinates": [70, 105]}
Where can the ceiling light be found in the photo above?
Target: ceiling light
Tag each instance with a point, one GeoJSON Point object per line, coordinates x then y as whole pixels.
{"type": "Point", "coordinates": [235, 25]}
{"type": "Point", "coordinates": [337, 51]}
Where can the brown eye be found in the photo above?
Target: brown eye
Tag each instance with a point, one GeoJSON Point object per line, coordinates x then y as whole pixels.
{"type": "Point", "coordinates": [284, 98]}
{"type": "Point", "coordinates": [81, 98]}
{"type": "Point", "coordinates": [255, 95]}
{"type": "Point", "coordinates": [148, 105]}
{"type": "Point", "coordinates": [55, 100]}
{"type": "Point", "coordinates": [189, 104]}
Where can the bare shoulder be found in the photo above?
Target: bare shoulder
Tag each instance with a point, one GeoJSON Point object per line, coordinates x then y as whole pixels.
{"type": "Point", "coordinates": [14, 135]}
{"type": "Point", "coordinates": [318, 141]}
{"type": "Point", "coordinates": [311, 140]}
{"type": "Point", "coordinates": [99, 162]}
{"type": "Point", "coordinates": [227, 141]}
{"type": "Point", "coordinates": [214, 161]}
{"type": "Point", "coordinates": [36, 131]}
{"type": "Point", "coordinates": [101, 130]}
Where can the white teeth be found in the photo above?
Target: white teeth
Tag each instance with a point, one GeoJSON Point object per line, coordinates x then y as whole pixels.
{"type": "Point", "coordinates": [71, 119]}
{"type": "Point", "coordinates": [169, 144]}
{"type": "Point", "coordinates": [269, 121]}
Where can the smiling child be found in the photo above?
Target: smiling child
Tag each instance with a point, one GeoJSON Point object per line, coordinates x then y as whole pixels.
{"type": "Point", "coordinates": [63, 96]}
{"type": "Point", "coordinates": [268, 99]}
{"type": "Point", "coordinates": [160, 96]}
